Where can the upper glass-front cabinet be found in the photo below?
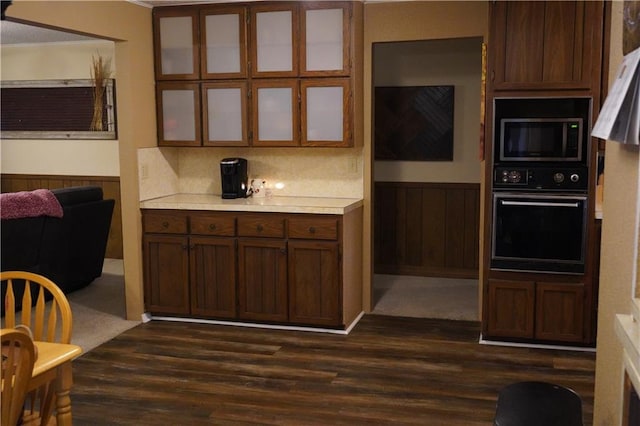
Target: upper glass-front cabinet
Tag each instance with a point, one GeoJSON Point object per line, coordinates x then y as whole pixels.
{"type": "Point", "coordinates": [325, 39]}
{"type": "Point", "coordinates": [223, 42]}
{"type": "Point", "coordinates": [178, 114]}
{"type": "Point", "coordinates": [177, 55]}
{"type": "Point", "coordinates": [326, 112]}
{"type": "Point", "coordinates": [224, 113]}
{"type": "Point", "coordinates": [274, 42]}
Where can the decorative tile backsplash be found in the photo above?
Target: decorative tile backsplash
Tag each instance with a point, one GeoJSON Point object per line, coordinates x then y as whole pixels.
{"type": "Point", "coordinates": [307, 172]}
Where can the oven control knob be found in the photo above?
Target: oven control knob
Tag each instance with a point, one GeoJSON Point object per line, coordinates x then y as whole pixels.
{"type": "Point", "coordinates": [558, 177]}
{"type": "Point", "coordinates": [574, 177]}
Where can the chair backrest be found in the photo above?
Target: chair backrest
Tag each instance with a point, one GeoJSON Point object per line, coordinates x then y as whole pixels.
{"type": "Point", "coordinates": [48, 322]}
{"type": "Point", "coordinates": [17, 365]}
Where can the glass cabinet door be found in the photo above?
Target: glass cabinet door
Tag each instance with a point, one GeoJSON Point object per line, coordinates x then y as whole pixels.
{"type": "Point", "coordinates": [326, 112]}
{"type": "Point", "coordinates": [225, 114]}
{"type": "Point", "coordinates": [275, 112]}
{"type": "Point", "coordinates": [223, 42]}
{"type": "Point", "coordinates": [176, 39]}
{"type": "Point", "coordinates": [274, 40]}
{"type": "Point", "coordinates": [178, 114]}
{"type": "Point", "coordinates": [325, 37]}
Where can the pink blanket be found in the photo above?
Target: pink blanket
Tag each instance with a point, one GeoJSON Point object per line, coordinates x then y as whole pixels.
{"type": "Point", "coordinates": [41, 202]}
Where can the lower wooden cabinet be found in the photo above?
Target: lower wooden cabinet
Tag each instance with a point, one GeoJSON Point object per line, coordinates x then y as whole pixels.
{"type": "Point", "coordinates": [267, 267]}
{"type": "Point", "coordinates": [262, 284]}
{"type": "Point", "coordinates": [166, 273]}
{"type": "Point", "coordinates": [510, 308]}
{"type": "Point", "coordinates": [544, 311]}
{"type": "Point", "coordinates": [212, 270]}
{"type": "Point", "coordinates": [314, 283]}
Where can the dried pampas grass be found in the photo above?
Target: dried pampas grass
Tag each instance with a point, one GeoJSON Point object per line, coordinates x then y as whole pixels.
{"type": "Point", "coordinates": [100, 73]}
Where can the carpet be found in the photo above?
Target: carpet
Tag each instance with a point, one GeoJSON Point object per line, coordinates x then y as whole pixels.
{"type": "Point", "coordinates": [99, 309]}
{"type": "Point", "coordinates": [425, 297]}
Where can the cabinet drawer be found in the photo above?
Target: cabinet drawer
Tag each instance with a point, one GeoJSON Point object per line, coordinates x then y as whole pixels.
{"type": "Point", "coordinates": [164, 223]}
{"type": "Point", "coordinates": [213, 224]}
{"type": "Point", "coordinates": [261, 226]}
{"type": "Point", "coordinates": [313, 228]}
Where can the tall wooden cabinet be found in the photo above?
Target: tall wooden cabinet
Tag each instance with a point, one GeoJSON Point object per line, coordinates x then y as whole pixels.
{"type": "Point", "coordinates": [285, 73]}
{"type": "Point", "coordinates": [546, 45]}
{"type": "Point", "coordinates": [543, 49]}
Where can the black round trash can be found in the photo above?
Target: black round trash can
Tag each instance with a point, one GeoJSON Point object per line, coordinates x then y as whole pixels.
{"type": "Point", "coordinates": [538, 404]}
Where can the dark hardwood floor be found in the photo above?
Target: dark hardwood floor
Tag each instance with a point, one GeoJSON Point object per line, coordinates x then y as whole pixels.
{"type": "Point", "coordinates": [388, 370]}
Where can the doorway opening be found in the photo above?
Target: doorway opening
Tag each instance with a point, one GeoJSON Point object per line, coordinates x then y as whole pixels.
{"type": "Point", "coordinates": [426, 212]}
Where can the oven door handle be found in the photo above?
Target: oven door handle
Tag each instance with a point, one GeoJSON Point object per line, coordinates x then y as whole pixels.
{"type": "Point", "coordinates": [538, 204]}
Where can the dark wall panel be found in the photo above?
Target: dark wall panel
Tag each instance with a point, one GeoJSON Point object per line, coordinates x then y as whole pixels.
{"type": "Point", "coordinates": [426, 229]}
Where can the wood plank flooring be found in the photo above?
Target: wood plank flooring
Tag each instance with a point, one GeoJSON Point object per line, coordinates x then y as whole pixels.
{"type": "Point", "coordinates": [388, 370]}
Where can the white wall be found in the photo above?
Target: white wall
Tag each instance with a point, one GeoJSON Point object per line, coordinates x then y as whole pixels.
{"type": "Point", "coordinates": [456, 62]}
{"type": "Point", "coordinates": [57, 61]}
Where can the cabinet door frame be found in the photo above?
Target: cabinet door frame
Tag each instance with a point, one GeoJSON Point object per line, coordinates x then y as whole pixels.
{"type": "Point", "coordinates": [242, 17]}
{"type": "Point", "coordinates": [292, 84]}
{"type": "Point", "coordinates": [195, 88]}
{"type": "Point", "coordinates": [192, 12]}
{"type": "Point", "coordinates": [347, 12]}
{"type": "Point", "coordinates": [572, 316]}
{"type": "Point", "coordinates": [242, 85]}
{"type": "Point", "coordinates": [495, 309]}
{"type": "Point", "coordinates": [280, 298]}
{"type": "Point", "coordinates": [225, 280]}
{"type": "Point", "coordinates": [347, 107]}
{"type": "Point", "coordinates": [254, 10]}
{"type": "Point", "coordinates": [182, 279]}
{"type": "Point", "coordinates": [326, 302]}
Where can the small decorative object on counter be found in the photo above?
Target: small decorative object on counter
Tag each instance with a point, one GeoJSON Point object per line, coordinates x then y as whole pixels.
{"type": "Point", "coordinates": [258, 187]}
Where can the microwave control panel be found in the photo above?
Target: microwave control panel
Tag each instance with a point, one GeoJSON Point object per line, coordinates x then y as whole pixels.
{"type": "Point", "coordinates": [540, 178]}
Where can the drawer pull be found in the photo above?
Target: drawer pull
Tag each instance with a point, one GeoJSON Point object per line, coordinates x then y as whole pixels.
{"type": "Point", "coordinates": [260, 228]}
{"type": "Point", "coordinates": [165, 224]}
{"type": "Point", "coordinates": [312, 230]}
{"type": "Point", "coordinates": [212, 227]}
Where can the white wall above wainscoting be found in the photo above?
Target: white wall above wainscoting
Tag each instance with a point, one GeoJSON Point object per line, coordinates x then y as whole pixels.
{"type": "Point", "coordinates": [304, 172]}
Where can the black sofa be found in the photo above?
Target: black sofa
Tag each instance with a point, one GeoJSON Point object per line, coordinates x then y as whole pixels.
{"type": "Point", "coordinates": [70, 249]}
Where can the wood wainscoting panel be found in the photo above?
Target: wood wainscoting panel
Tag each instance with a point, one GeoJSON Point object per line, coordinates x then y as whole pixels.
{"type": "Point", "coordinates": [110, 188]}
{"type": "Point", "coordinates": [426, 229]}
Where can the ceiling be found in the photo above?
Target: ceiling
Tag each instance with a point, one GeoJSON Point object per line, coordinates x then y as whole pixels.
{"type": "Point", "coordinates": [15, 33]}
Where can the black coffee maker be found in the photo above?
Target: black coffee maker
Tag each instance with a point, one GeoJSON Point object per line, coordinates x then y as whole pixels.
{"type": "Point", "coordinates": [234, 177]}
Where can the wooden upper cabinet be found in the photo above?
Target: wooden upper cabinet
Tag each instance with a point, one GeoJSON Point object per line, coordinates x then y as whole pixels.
{"type": "Point", "coordinates": [275, 112]}
{"type": "Point", "coordinates": [545, 45]}
{"type": "Point", "coordinates": [325, 48]}
{"type": "Point", "coordinates": [179, 116]}
{"type": "Point", "coordinates": [223, 42]}
{"type": "Point", "coordinates": [176, 40]}
{"type": "Point", "coordinates": [274, 41]}
{"type": "Point", "coordinates": [224, 113]}
{"type": "Point", "coordinates": [326, 112]}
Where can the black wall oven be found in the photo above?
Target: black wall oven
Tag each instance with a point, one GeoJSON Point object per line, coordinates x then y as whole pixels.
{"type": "Point", "coordinates": [540, 184]}
{"type": "Point", "coordinates": [539, 232]}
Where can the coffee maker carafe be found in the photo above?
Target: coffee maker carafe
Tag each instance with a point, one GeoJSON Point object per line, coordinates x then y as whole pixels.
{"type": "Point", "coordinates": [234, 177]}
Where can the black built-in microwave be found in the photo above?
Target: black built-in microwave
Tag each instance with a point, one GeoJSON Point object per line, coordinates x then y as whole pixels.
{"type": "Point", "coordinates": [541, 139]}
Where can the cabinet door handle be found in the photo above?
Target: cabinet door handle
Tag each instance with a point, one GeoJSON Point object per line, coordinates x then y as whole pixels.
{"type": "Point", "coordinates": [312, 230]}
{"type": "Point", "coordinates": [260, 228]}
{"type": "Point", "coordinates": [165, 225]}
{"type": "Point", "coordinates": [212, 227]}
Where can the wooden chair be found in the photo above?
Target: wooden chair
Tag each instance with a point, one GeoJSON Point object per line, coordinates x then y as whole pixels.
{"type": "Point", "coordinates": [18, 357]}
{"type": "Point", "coordinates": [49, 321]}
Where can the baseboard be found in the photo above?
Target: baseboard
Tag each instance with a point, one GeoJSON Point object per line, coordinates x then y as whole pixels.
{"type": "Point", "coordinates": [146, 317]}
{"type": "Point", "coordinates": [482, 341]}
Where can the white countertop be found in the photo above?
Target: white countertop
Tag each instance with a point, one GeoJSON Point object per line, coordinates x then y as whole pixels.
{"type": "Point", "coordinates": [275, 204]}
